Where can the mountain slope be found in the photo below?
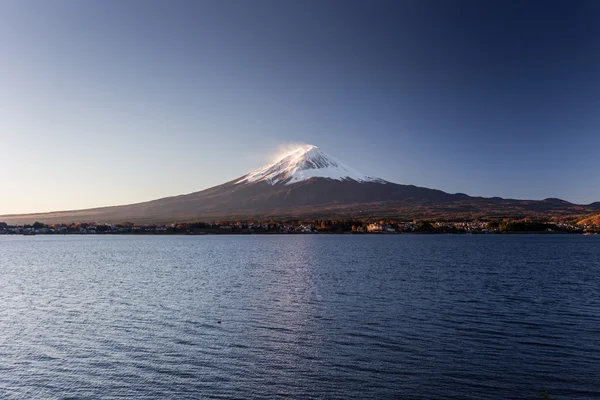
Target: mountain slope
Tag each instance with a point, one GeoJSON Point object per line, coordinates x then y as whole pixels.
{"type": "Point", "coordinates": [309, 183]}
{"type": "Point", "coordinates": [591, 220]}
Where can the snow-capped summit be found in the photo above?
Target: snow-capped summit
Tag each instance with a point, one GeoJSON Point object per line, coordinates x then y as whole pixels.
{"type": "Point", "coordinates": [304, 163]}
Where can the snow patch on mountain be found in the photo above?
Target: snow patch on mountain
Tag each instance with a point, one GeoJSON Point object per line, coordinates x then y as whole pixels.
{"type": "Point", "coordinates": [304, 163]}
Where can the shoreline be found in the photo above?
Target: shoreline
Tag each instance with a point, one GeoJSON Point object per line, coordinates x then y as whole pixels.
{"type": "Point", "coordinates": [301, 233]}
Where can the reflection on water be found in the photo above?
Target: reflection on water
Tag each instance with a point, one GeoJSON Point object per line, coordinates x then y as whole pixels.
{"type": "Point", "coordinates": [419, 317]}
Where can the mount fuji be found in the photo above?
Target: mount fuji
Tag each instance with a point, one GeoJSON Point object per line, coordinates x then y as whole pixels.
{"type": "Point", "coordinates": [308, 183]}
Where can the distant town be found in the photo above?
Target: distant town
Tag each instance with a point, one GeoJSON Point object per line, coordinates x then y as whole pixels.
{"type": "Point", "coordinates": [315, 226]}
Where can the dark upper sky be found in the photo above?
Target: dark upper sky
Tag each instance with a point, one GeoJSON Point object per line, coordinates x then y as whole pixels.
{"type": "Point", "coordinates": [494, 98]}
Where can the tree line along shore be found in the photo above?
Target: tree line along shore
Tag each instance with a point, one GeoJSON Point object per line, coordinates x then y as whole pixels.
{"type": "Point", "coordinates": [355, 226]}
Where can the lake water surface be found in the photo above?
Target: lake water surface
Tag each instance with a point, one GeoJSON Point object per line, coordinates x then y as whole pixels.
{"type": "Point", "coordinates": [301, 316]}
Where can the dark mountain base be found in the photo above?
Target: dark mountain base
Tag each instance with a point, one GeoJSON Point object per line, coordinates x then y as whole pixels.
{"type": "Point", "coordinates": [314, 198]}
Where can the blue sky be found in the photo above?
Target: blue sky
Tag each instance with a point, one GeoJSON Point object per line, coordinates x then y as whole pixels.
{"type": "Point", "coordinates": [113, 102]}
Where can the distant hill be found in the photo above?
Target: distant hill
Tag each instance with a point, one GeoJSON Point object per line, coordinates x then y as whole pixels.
{"type": "Point", "coordinates": [309, 183]}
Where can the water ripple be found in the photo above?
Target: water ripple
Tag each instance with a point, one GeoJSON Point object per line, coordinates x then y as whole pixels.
{"type": "Point", "coordinates": [307, 317]}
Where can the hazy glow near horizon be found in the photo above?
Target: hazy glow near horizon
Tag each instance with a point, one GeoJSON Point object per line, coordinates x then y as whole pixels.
{"type": "Point", "coordinates": [106, 103]}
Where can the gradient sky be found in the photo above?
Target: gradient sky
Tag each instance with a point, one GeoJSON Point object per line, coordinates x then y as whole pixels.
{"type": "Point", "coordinates": [113, 102]}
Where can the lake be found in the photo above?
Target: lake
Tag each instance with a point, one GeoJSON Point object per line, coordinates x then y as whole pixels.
{"type": "Point", "coordinates": [300, 316]}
